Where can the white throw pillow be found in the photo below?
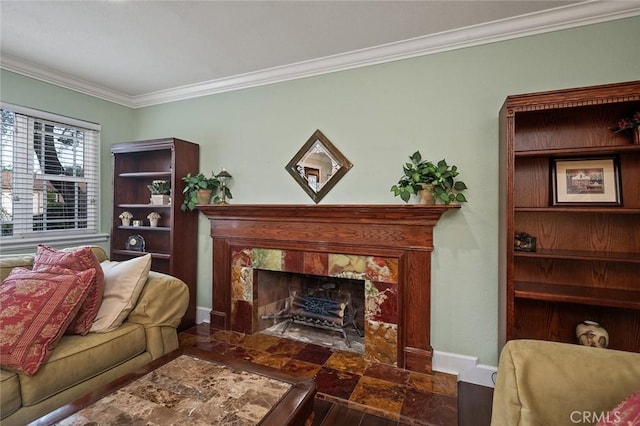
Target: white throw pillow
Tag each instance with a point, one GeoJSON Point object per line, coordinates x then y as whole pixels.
{"type": "Point", "coordinates": [123, 283]}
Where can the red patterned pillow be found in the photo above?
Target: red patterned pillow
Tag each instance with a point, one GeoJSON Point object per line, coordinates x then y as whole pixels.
{"type": "Point", "coordinates": [626, 413]}
{"type": "Point", "coordinates": [37, 307]}
{"type": "Point", "coordinates": [76, 260]}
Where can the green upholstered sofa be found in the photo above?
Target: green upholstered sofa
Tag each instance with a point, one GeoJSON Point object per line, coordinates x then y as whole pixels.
{"type": "Point", "coordinates": [79, 364]}
{"type": "Point", "coordinates": [549, 383]}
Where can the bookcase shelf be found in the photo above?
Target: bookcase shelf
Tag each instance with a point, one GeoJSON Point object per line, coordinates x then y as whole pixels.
{"type": "Point", "coordinates": [131, 253]}
{"type": "Point", "coordinates": [147, 228]}
{"type": "Point", "coordinates": [592, 255]}
{"type": "Point", "coordinates": [161, 174]}
{"type": "Point", "coordinates": [595, 296]}
{"type": "Point", "coordinates": [145, 206]}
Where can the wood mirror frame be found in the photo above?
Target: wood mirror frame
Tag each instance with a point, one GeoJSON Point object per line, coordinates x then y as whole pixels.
{"type": "Point", "coordinates": [318, 166]}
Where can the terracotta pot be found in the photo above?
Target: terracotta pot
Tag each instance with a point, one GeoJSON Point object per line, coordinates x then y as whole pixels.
{"type": "Point", "coordinates": [425, 196]}
{"type": "Point", "coordinates": [204, 196]}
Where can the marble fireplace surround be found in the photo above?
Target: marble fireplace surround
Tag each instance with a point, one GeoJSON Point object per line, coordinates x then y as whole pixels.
{"type": "Point", "coordinates": [388, 246]}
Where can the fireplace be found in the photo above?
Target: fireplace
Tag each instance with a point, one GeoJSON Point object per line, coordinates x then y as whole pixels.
{"type": "Point", "coordinates": [387, 247]}
{"type": "Point", "coordinates": [332, 304]}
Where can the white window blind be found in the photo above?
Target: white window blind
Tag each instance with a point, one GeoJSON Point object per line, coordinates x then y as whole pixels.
{"type": "Point", "coordinates": [49, 176]}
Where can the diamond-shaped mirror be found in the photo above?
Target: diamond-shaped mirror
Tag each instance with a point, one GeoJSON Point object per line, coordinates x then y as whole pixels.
{"type": "Point", "coordinates": [318, 166]}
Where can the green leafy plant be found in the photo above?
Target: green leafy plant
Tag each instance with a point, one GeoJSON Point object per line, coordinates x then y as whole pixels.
{"type": "Point", "coordinates": [440, 177]}
{"type": "Point", "coordinates": [198, 182]}
{"type": "Point", "coordinates": [160, 187]}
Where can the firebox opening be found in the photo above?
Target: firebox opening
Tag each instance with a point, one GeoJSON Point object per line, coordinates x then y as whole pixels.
{"type": "Point", "coordinates": [326, 311]}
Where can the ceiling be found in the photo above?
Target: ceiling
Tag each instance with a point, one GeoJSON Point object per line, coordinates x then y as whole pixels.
{"type": "Point", "coordinates": [141, 53]}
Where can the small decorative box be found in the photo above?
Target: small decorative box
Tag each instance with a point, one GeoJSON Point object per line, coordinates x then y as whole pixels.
{"type": "Point", "coordinates": [524, 242]}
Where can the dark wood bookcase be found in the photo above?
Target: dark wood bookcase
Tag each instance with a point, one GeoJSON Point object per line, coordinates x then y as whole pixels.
{"type": "Point", "coordinates": [173, 243]}
{"type": "Point", "coordinates": [587, 262]}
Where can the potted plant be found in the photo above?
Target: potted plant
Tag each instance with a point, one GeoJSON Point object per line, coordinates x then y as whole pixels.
{"type": "Point", "coordinates": [426, 177]}
{"type": "Point", "coordinates": [198, 190]}
{"type": "Point", "coordinates": [160, 190]}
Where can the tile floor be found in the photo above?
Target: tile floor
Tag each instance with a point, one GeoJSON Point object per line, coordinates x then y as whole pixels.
{"type": "Point", "coordinates": [343, 377]}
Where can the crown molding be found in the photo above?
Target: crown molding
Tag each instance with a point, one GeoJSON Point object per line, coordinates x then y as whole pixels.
{"type": "Point", "coordinates": [571, 16]}
{"type": "Point", "coordinates": [38, 72]}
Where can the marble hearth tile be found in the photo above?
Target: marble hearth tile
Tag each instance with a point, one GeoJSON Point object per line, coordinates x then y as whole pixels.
{"type": "Point", "coordinates": [314, 354]}
{"type": "Point", "coordinates": [227, 336]}
{"type": "Point", "coordinates": [381, 302]}
{"type": "Point", "coordinates": [241, 258]}
{"type": "Point", "coordinates": [347, 361]}
{"type": "Point", "coordinates": [420, 381]}
{"type": "Point", "coordinates": [388, 373]}
{"type": "Point", "coordinates": [246, 279]}
{"type": "Point", "coordinates": [381, 341]}
{"type": "Point", "coordinates": [286, 347]}
{"type": "Point", "coordinates": [301, 368]}
{"type": "Point", "coordinates": [339, 384]}
{"type": "Point", "coordinates": [293, 261]}
{"type": "Point", "coordinates": [446, 384]}
{"type": "Point", "coordinates": [382, 269]}
{"type": "Point", "coordinates": [379, 393]}
{"type": "Point", "coordinates": [268, 259]}
{"type": "Point", "coordinates": [272, 360]}
{"type": "Point", "coordinates": [242, 284]}
{"type": "Point", "coordinates": [241, 352]}
{"type": "Point", "coordinates": [242, 316]}
{"type": "Point", "coordinates": [341, 263]}
{"type": "Point", "coordinates": [316, 263]}
{"type": "Point", "coordinates": [201, 337]}
{"type": "Point", "coordinates": [259, 341]}
{"type": "Point", "coordinates": [203, 341]}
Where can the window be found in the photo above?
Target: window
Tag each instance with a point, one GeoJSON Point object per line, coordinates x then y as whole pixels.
{"type": "Point", "coordinates": [49, 178]}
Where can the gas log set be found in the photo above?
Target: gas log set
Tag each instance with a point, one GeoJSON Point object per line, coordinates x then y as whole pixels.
{"type": "Point", "coordinates": [324, 306]}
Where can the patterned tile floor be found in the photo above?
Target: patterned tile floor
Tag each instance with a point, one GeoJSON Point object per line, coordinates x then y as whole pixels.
{"type": "Point", "coordinates": [343, 377]}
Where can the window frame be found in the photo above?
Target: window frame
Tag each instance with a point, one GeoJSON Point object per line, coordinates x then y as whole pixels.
{"type": "Point", "coordinates": [63, 237]}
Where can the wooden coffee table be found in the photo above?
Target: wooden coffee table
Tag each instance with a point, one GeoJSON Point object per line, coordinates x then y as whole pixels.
{"type": "Point", "coordinates": [195, 387]}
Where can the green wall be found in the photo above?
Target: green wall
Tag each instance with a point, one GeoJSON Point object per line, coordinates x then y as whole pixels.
{"type": "Point", "coordinates": [444, 105]}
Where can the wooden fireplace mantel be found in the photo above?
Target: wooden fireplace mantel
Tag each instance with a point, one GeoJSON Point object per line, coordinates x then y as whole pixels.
{"type": "Point", "coordinates": [327, 212]}
{"type": "Point", "coordinates": [404, 232]}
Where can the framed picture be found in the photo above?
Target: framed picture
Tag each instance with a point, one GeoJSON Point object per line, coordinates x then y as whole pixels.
{"type": "Point", "coordinates": [586, 181]}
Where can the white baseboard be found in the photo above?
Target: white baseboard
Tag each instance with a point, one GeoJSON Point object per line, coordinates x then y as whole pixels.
{"type": "Point", "coordinates": [202, 315]}
{"type": "Point", "coordinates": [465, 367]}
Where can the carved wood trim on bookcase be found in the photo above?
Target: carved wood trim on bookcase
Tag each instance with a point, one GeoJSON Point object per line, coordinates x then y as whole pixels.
{"type": "Point", "coordinates": [402, 231]}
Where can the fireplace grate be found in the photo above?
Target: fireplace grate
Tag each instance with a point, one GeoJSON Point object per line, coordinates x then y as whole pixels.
{"type": "Point", "coordinates": [325, 308]}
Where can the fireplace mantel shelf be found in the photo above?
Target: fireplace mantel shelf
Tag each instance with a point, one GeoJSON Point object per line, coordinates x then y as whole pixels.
{"type": "Point", "coordinates": [330, 212]}
{"type": "Point", "coordinates": [398, 234]}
